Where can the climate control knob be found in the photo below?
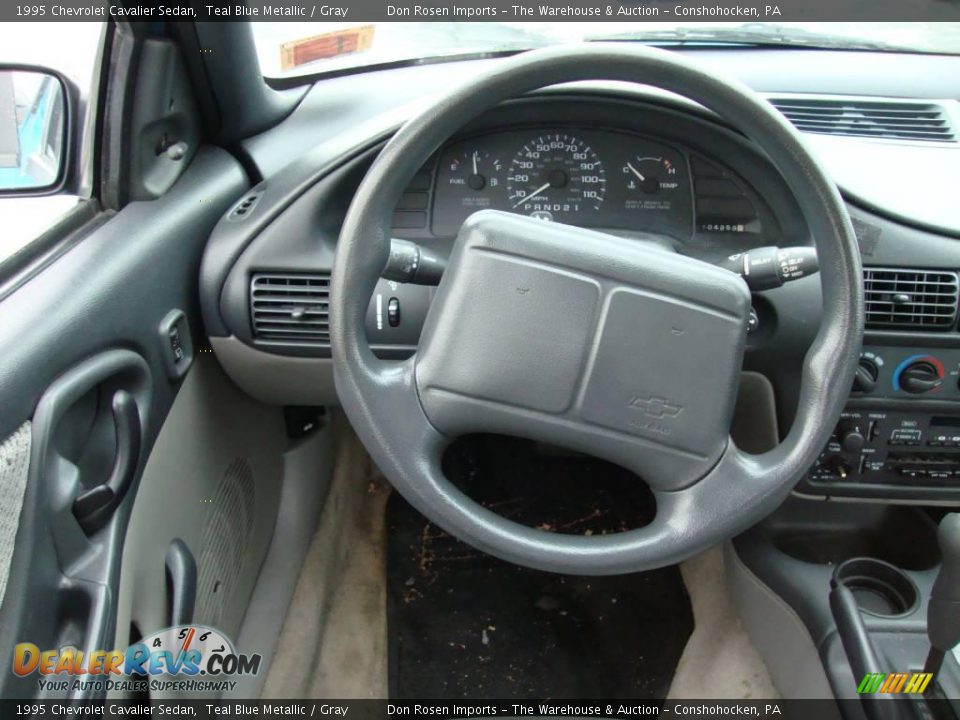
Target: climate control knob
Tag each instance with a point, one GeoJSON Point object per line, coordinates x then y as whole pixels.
{"type": "Point", "coordinates": [865, 379]}
{"type": "Point", "coordinates": [920, 377]}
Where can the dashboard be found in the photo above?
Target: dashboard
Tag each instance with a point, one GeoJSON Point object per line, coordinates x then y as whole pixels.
{"type": "Point", "coordinates": [623, 161]}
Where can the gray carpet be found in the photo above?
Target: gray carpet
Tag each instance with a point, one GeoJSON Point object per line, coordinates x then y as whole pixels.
{"type": "Point", "coordinates": [334, 638]}
{"type": "Point", "coordinates": [719, 662]}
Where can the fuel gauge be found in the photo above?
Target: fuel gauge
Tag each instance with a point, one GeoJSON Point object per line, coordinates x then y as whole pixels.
{"type": "Point", "coordinates": [475, 169]}
{"type": "Point", "coordinates": [469, 178]}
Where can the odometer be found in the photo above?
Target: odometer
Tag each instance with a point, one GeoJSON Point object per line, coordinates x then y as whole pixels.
{"type": "Point", "coordinates": [556, 176]}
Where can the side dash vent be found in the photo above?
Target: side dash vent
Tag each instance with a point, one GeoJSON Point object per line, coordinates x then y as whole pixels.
{"type": "Point", "coordinates": [290, 308]}
{"type": "Point", "coordinates": [910, 299]}
{"type": "Point", "coordinates": [884, 119]}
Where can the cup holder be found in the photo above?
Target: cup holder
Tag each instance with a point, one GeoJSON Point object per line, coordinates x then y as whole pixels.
{"type": "Point", "coordinates": [879, 587]}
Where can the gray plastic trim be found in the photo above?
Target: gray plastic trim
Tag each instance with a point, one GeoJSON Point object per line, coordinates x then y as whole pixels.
{"type": "Point", "coordinates": [307, 473]}
{"type": "Point", "coordinates": [212, 427]}
{"type": "Point", "coordinates": [276, 379]}
{"type": "Point", "coordinates": [777, 632]}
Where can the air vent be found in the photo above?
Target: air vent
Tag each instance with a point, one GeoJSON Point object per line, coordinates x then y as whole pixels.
{"type": "Point", "coordinates": [885, 119]}
{"type": "Point", "coordinates": [290, 308]}
{"type": "Point", "coordinates": [914, 299]}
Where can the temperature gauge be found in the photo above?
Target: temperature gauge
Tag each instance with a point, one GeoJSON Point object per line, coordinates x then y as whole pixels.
{"type": "Point", "coordinates": [651, 175]}
{"type": "Point", "coordinates": [655, 184]}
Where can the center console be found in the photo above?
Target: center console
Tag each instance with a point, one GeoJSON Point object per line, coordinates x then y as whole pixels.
{"type": "Point", "coordinates": [860, 575]}
{"type": "Point", "coordinates": [899, 435]}
{"type": "Point", "coordinates": [848, 587]}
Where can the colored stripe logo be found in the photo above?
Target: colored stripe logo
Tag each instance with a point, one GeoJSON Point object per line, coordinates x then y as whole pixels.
{"type": "Point", "coordinates": [894, 683]}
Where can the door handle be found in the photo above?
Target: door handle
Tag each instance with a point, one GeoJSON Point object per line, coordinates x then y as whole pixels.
{"type": "Point", "coordinates": [93, 507]}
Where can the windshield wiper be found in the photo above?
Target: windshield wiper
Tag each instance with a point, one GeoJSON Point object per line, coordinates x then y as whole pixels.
{"type": "Point", "coordinates": [749, 35]}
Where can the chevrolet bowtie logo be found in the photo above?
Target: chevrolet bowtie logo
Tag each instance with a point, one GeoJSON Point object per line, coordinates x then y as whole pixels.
{"type": "Point", "coordinates": [657, 407]}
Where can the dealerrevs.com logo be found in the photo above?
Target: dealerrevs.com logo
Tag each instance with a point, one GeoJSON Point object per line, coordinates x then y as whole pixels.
{"type": "Point", "coordinates": [183, 658]}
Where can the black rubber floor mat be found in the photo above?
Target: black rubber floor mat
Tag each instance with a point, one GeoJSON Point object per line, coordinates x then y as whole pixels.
{"type": "Point", "coordinates": [465, 625]}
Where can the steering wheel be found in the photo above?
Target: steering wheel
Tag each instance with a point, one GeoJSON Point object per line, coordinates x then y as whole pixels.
{"type": "Point", "coordinates": [588, 341]}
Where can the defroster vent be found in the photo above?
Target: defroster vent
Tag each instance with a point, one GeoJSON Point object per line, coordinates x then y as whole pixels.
{"type": "Point", "coordinates": [910, 299]}
{"type": "Point", "coordinates": [291, 308]}
{"type": "Point", "coordinates": [885, 119]}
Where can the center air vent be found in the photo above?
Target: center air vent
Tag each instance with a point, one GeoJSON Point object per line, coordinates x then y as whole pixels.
{"type": "Point", "coordinates": [291, 308]}
{"type": "Point", "coordinates": [885, 119]}
{"type": "Point", "coordinates": [914, 299]}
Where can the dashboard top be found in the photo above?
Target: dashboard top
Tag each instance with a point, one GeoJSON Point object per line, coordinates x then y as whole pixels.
{"type": "Point", "coordinates": [354, 108]}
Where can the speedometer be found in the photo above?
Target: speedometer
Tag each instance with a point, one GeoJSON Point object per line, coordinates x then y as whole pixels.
{"type": "Point", "coordinates": [556, 176]}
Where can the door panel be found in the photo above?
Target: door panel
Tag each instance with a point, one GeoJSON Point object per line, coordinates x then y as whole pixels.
{"type": "Point", "coordinates": [210, 492]}
{"type": "Point", "coordinates": [76, 447]}
{"type": "Point", "coordinates": [82, 356]}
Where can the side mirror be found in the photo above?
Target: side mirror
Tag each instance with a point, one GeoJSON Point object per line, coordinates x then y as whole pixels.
{"type": "Point", "coordinates": [38, 131]}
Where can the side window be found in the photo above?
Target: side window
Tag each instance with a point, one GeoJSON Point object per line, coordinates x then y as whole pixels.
{"type": "Point", "coordinates": [72, 49]}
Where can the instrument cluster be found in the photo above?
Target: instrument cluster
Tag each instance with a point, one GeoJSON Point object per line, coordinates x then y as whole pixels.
{"type": "Point", "coordinates": [590, 178]}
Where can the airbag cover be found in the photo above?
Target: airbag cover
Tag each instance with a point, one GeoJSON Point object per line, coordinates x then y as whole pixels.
{"type": "Point", "coordinates": [583, 339]}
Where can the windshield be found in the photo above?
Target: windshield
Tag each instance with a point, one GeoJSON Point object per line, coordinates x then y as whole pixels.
{"type": "Point", "coordinates": [287, 49]}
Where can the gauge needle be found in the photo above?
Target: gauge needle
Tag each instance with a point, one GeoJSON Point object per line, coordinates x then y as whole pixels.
{"type": "Point", "coordinates": [475, 163]}
{"type": "Point", "coordinates": [531, 196]}
{"type": "Point", "coordinates": [636, 172]}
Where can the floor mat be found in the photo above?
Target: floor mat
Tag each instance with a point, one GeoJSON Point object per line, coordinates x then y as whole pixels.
{"type": "Point", "coordinates": [465, 625]}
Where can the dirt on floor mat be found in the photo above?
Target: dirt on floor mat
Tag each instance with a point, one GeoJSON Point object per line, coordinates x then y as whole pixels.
{"type": "Point", "coordinates": [462, 624]}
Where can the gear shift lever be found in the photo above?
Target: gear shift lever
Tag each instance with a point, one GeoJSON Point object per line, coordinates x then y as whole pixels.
{"type": "Point", "coordinates": [943, 612]}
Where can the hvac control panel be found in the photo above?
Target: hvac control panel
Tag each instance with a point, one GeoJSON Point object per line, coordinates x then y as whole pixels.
{"type": "Point", "coordinates": [877, 450]}
{"type": "Point", "coordinates": [908, 372]}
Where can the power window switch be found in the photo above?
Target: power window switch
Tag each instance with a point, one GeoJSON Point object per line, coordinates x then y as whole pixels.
{"type": "Point", "coordinates": [176, 345]}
